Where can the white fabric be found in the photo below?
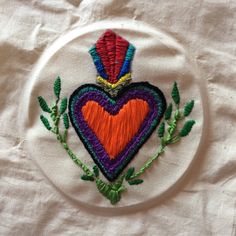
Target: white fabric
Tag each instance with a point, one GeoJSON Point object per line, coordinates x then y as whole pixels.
{"type": "Point", "coordinates": [195, 43]}
{"type": "Point", "coordinates": [158, 59]}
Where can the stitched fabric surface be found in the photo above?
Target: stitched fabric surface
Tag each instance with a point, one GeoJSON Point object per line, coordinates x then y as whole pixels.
{"type": "Point", "coordinates": [195, 39]}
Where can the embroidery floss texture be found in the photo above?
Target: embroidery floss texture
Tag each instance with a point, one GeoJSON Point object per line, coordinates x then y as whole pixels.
{"type": "Point", "coordinates": [114, 118]}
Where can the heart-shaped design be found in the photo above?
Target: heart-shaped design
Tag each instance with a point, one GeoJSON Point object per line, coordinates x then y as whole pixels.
{"type": "Point", "coordinates": [113, 129]}
{"type": "Point", "coordinates": [127, 121]}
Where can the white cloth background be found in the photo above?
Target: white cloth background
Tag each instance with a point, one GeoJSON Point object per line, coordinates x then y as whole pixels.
{"type": "Point", "coordinates": [204, 202]}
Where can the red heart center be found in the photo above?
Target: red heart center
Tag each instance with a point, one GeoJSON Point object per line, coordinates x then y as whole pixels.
{"type": "Point", "coordinates": [115, 131]}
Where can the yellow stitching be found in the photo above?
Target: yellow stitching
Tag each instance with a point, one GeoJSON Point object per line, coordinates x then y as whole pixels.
{"type": "Point", "coordinates": [113, 86]}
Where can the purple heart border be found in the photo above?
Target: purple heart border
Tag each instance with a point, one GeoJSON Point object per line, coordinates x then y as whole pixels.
{"type": "Point", "coordinates": [91, 92]}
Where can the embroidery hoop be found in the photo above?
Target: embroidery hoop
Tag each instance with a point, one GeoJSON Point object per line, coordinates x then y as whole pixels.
{"type": "Point", "coordinates": [82, 39]}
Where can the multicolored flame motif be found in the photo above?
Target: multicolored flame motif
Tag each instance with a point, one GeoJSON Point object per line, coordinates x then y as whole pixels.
{"type": "Point", "coordinates": [112, 56]}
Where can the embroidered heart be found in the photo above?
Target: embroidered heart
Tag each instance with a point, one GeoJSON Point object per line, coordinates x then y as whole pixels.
{"type": "Point", "coordinates": [114, 129]}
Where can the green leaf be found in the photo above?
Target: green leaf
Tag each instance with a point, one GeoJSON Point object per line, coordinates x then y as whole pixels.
{"type": "Point", "coordinates": [103, 187]}
{"type": "Point", "coordinates": [66, 121]}
{"type": "Point", "coordinates": [135, 181]}
{"type": "Point", "coordinates": [161, 130]}
{"type": "Point", "coordinates": [57, 87]}
{"type": "Point", "coordinates": [168, 112]}
{"type": "Point", "coordinates": [114, 196]}
{"type": "Point", "coordinates": [63, 105]}
{"type": "Point", "coordinates": [43, 104]}
{"type": "Point", "coordinates": [175, 94]}
{"type": "Point", "coordinates": [129, 173]}
{"type": "Point", "coordinates": [188, 107]}
{"type": "Point", "coordinates": [187, 128]}
{"type": "Point", "coordinates": [96, 171]}
{"type": "Point", "coordinates": [87, 178]}
{"type": "Point", "coordinates": [45, 122]}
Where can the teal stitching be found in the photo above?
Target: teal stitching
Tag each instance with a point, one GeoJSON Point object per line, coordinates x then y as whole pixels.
{"type": "Point", "coordinates": [97, 61]}
{"type": "Point", "coordinates": [130, 53]}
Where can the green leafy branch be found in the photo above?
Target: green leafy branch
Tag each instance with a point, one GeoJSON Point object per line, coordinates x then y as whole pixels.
{"type": "Point", "coordinates": [56, 113]}
{"type": "Point", "coordinates": [168, 131]}
{"type": "Point", "coordinates": [113, 190]}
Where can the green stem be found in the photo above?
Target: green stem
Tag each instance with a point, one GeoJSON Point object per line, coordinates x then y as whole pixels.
{"type": "Point", "coordinates": [169, 138]}
{"type": "Point", "coordinates": [149, 162]}
{"type": "Point", "coordinates": [62, 140]}
{"type": "Point", "coordinates": [76, 160]}
{"type": "Point", "coordinates": [112, 191]}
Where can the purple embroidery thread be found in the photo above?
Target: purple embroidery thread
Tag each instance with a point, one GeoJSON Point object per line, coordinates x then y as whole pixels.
{"type": "Point", "coordinates": [112, 168]}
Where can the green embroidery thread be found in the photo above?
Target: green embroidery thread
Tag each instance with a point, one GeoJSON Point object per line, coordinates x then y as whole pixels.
{"type": "Point", "coordinates": [161, 130]}
{"type": "Point", "coordinates": [57, 88]}
{"type": "Point", "coordinates": [45, 122]}
{"type": "Point", "coordinates": [188, 108]}
{"type": "Point", "coordinates": [43, 105]}
{"type": "Point", "coordinates": [168, 112]}
{"type": "Point", "coordinates": [167, 132]}
{"type": "Point", "coordinates": [175, 94]}
{"type": "Point", "coordinates": [187, 128]}
{"type": "Point", "coordinates": [63, 105]}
